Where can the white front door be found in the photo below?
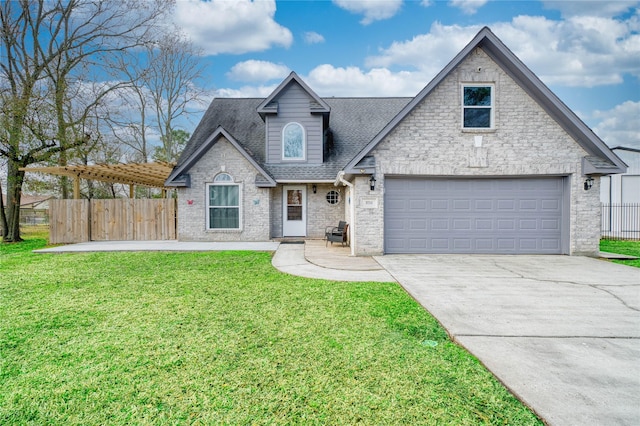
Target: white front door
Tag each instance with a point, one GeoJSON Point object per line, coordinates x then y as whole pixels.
{"type": "Point", "coordinates": [294, 211]}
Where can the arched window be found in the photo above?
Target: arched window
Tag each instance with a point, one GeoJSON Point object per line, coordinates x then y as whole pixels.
{"type": "Point", "coordinates": [293, 142]}
{"type": "Point", "coordinates": [223, 177]}
{"type": "Point", "coordinates": [223, 203]}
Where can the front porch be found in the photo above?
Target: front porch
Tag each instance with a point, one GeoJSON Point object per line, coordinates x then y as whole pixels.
{"type": "Point", "coordinates": [335, 256]}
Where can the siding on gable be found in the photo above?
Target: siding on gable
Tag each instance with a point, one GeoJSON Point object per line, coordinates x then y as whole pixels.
{"type": "Point", "coordinates": [293, 106]}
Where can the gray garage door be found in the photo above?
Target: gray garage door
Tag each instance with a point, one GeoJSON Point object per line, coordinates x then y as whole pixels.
{"type": "Point", "coordinates": [509, 216]}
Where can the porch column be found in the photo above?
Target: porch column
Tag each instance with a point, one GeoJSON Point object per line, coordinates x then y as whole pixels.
{"type": "Point", "coordinates": [132, 193]}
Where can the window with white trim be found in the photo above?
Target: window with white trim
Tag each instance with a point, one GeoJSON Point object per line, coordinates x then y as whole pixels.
{"type": "Point", "coordinates": [223, 203]}
{"type": "Point", "coordinates": [293, 142]}
{"type": "Point", "coordinates": [477, 106]}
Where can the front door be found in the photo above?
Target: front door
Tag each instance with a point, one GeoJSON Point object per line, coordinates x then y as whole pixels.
{"type": "Point", "coordinates": [294, 213]}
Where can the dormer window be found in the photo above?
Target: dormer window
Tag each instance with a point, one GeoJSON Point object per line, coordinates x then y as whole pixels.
{"type": "Point", "coordinates": [293, 142]}
{"type": "Point", "coordinates": [477, 106]}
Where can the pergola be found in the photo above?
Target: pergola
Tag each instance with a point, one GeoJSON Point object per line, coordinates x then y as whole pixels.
{"type": "Point", "coordinates": [144, 174]}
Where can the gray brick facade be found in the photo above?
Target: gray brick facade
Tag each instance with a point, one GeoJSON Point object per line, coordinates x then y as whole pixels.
{"type": "Point", "coordinates": [526, 141]}
{"type": "Point", "coordinates": [255, 215]}
{"type": "Point", "coordinates": [532, 135]}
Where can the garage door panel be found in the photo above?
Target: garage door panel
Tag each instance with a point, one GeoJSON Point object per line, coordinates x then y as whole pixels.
{"type": "Point", "coordinates": [462, 243]}
{"type": "Point", "coordinates": [461, 205]}
{"type": "Point", "coordinates": [505, 205]}
{"type": "Point", "coordinates": [528, 205]}
{"type": "Point", "coordinates": [440, 244]}
{"type": "Point", "coordinates": [484, 204]}
{"type": "Point", "coordinates": [550, 224]}
{"type": "Point", "coordinates": [506, 224]}
{"type": "Point", "coordinates": [418, 224]}
{"type": "Point", "coordinates": [484, 245]}
{"type": "Point", "coordinates": [484, 225]}
{"type": "Point", "coordinates": [439, 224]}
{"type": "Point", "coordinates": [473, 215]}
{"type": "Point", "coordinates": [550, 205]}
{"type": "Point", "coordinates": [439, 204]}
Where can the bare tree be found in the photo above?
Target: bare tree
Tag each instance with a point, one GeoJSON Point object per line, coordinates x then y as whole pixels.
{"type": "Point", "coordinates": [164, 89]}
{"type": "Point", "coordinates": [49, 48]}
{"type": "Point", "coordinates": [173, 68]}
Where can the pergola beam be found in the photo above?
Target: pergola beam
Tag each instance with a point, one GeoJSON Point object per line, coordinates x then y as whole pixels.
{"type": "Point", "coordinates": [144, 174]}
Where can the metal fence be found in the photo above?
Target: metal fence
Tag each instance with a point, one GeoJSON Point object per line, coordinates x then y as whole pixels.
{"type": "Point", "coordinates": [620, 221]}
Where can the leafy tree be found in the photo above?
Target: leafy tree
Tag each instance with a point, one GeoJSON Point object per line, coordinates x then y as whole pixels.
{"type": "Point", "coordinates": [170, 151]}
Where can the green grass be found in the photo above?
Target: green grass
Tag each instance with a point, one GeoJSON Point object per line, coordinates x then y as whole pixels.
{"type": "Point", "coordinates": [622, 247]}
{"type": "Point", "coordinates": [224, 338]}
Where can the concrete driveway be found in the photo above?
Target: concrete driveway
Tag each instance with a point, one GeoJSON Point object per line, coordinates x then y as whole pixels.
{"type": "Point", "coordinates": [563, 333]}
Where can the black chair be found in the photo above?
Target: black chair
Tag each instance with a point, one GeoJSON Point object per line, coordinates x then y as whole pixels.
{"type": "Point", "coordinates": [337, 234]}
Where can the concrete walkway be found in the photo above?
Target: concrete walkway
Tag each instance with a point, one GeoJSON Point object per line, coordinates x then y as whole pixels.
{"type": "Point", "coordinates": [562, 332]}
{"type": "Point", "coordinates": [313, 260]}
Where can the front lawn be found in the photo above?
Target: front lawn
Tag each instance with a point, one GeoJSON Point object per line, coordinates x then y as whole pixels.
{"type": "Point", "coordinates": [224, 338]}
{"type": "Point", "coordinates": [631, 248]}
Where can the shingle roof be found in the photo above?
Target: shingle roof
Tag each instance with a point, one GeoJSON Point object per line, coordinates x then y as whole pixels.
{"type": "Point", "coordinates": [354, 122]}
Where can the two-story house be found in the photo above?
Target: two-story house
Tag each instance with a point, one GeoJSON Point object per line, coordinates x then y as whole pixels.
{"type": "Point", "coordinates": [485, 159]}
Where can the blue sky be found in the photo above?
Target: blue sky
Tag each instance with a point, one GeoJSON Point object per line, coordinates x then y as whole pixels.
{"type": "Point", "coordinates": [587, 52]}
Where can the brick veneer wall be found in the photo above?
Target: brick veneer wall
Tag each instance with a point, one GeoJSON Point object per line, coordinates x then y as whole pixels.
{"type": "Point", "coordinates": [320, 213]}
{"type": "Point", "coordinates": [192, 223]}
{"type": "Point", "coordinates": [525, 142]}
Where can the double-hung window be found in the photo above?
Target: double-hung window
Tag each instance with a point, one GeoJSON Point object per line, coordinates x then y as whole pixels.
{"type": "Point", "coordinates": [477, 106]}
{"type": "Point", "coordinates": [293, 142]}
{"type": "Point", "coordinates": [223, 203]}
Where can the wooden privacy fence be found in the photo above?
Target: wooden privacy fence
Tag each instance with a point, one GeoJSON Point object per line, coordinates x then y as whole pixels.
{"type": "Point", "coordinates": [74, 221]}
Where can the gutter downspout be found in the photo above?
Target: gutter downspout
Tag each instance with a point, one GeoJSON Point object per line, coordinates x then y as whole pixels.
{"type": "Point", "coordinates": [352, 209]}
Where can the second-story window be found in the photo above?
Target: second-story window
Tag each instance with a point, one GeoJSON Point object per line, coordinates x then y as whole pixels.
{"type": "Point", "coordinates": [477, 106]}
{"type": "Point", "coordinates": [293, 142]}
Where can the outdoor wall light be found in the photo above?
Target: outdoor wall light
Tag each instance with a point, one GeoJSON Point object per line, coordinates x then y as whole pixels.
{"type": "Point", "coordinates": [372, 183]}
{"type": "Point", "coordinates": [588, 183]}
{"type": "Point", "coordinates": [314, 188]}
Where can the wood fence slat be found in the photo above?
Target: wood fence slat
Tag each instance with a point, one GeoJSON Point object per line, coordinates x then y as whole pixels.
{"type": "Point", "coordinates": [69, 221]}
{"type": "Point", "coordinates": [112, 220]}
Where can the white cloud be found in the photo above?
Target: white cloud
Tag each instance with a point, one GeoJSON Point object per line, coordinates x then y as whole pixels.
{"type": "Point", "coordinates": [311, 37]}
{"type": "Point", "coordinates": [246, 92]}
{"type": "Point", "coordinates": [373, 10]}
{"type": "Point", "coordinates": [619, 126]}
{"type": "Point", "coordinates": [234, 27]}
{"type": "Point", "coordinates": [582, 51]}
{"type": "Point", "coordinates": [327, 80]}
{"type": "Point", "coordinates": [468, 7]}
{"type": "Point", "coordinates": [257, 71]}
{"type": "Point", "coordinates": [428, 53]}
{"type": "Point", "coordinates": [600, 8]}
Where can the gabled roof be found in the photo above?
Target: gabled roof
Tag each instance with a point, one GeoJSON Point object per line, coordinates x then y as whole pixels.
{"type": "Point", "coordinates": [500, 54]}
{"type": "Point", "coordinates": [268, 106]}
{"type": "Point", "coordinates": [354, 122]}
{"type": "Point", "coordinates": [179, 177]}
{"type": "Point", "coordinates": [29, 201]}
